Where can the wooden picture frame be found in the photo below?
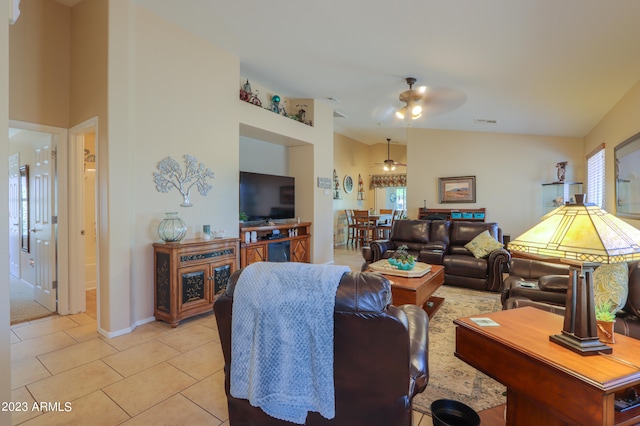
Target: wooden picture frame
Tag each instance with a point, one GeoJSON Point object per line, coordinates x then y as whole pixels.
{"type": "Point", "coordinates": [461, 189]}
{"type": "Point", "coordinates": [627, 174]}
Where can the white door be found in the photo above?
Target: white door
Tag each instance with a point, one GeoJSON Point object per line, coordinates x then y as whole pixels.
{"type": "Point", "coordinates": [14, 215]}
{"type": "Point", "coordinates": [43, 233]}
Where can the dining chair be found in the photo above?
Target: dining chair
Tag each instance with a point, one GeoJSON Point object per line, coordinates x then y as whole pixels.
{"type": "Point", "coordinates": [383, 227]}
{"type": "Point", "coordinates": [351, 226]}
{"type": "Point", "coordinates": [398, 214]}
{"type": "Point", "coordinates": [364, 227]}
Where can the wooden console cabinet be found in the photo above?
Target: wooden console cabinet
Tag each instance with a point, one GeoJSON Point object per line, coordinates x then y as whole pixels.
{"type": "Point", "coordinates": [188, 274]}
{"type": "Point", "coordinates": [258, 251]}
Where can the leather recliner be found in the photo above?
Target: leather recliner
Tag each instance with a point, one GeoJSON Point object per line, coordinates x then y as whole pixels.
{"type": "Point", "coordinates": [537, 281]}
{"type": "Point", "coordinates": [627, 319]}
{"type": "Point", "coordinates": [463, 269]}
{"type": "Point", "coordinates": [380, 356]}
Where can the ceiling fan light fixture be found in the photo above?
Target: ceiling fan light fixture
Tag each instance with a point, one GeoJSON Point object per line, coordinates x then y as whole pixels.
{"type": "Point", "coordinates": [416, 112]}
{"type": "Point", "coordinates": [411, 97]}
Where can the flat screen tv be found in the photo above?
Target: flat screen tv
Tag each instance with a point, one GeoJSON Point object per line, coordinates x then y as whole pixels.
{"type": "Point", "coordinates": [265, 196]}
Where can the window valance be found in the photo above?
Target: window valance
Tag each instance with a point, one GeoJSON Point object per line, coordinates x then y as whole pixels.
{"type": "Point", "coordinates": [385, 181]}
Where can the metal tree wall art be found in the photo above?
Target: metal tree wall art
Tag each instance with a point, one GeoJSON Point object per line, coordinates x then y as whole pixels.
{"type": "Point", "coordinates": [171, 176]}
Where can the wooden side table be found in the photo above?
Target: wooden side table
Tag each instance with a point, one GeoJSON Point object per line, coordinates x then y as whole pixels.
{"type": "Point", "coordinates": [546, 383]}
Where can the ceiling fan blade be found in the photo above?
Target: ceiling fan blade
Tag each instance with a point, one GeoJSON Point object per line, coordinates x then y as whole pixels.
{"type": "Point", "coordinates": [438, 100]}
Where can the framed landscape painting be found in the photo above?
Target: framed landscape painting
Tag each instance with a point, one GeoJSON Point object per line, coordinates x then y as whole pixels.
{"type": "Point", "coordinates": [460, 189]}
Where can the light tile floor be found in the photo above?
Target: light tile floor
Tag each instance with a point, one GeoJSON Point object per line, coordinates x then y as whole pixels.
{"type": "Point", "coordinates": [155, 375]}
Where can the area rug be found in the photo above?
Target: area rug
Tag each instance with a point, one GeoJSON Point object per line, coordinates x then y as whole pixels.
{"type": "Point", "coordinates": [451, 378]}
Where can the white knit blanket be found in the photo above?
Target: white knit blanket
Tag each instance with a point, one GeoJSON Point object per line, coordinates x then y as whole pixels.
{"type": "Point", "coordinates": [282, 338]}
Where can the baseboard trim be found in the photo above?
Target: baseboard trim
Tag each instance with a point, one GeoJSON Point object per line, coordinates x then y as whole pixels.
{"type": "Point", "coordinates": [112, 334]}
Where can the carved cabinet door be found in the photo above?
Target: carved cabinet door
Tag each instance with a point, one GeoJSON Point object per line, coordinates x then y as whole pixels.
{"type": "Point", "coordinates": [194, 288]}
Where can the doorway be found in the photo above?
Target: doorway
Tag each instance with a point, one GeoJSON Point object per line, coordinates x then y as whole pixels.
{"type": "Point", "coordinates": [33, 224]}
{"type": "Point", "coordinates": [84, 225]}
{"type": "Point", "coordinates": [391, 197]}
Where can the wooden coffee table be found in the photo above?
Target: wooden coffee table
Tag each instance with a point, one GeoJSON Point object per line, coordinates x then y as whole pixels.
{"type": "Point", "coordinates": [418, 291]}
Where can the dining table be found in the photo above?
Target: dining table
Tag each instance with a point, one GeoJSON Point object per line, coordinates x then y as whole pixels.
{"type": "Point", "coordinates": [380, 219]}
{"type": "Point", "coordinates": [381, 224]}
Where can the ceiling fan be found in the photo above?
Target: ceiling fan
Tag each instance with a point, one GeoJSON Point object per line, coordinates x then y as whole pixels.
{"type": "Point", "coordinates": [411, 98]}
{"type": "Point", "coordinates": [420, 102]}
{"type": "Point", "coordinates": [389, 165]}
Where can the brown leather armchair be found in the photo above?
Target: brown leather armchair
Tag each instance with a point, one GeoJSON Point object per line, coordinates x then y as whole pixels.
{"type": "Point", "coordinates": [463, 269]}
{"type": "Point", "coordinates": [380, 356]}
{"type": "Point", "coordinates": [627, 320]}
{"type": "Point", "coordinates": [537, 281]}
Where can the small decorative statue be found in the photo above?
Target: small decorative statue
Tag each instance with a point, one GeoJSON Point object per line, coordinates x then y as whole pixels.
{"type": "Point", "coordinates": [248, 96]}
{"type": "Point", "coordinates": [171, 176]}
{"type": "Point", "coordinates": [562, 170]}
{"type": "Point", "coordinates": [301, 115]}
{"type": "Point", "coordinates": [245, 92]}
{"type": "Point", "coordinates": [276, 107]}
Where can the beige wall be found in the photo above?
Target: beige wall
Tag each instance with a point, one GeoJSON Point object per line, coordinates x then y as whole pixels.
{"type": "Point", "coordinates": [618, 125]}
{"type": "Point", "coordinates": [88, 68]}
{"type": "Point", "coordinates": [166, 90]}
{"type": "Point", "coordinates": [39, 60]}
{"type": "Point", "coordinates": [509, 169]}
{"type": "Point", "coordinates": [350, 158]}
{"type": "Point", "coordinates": [5, 352]}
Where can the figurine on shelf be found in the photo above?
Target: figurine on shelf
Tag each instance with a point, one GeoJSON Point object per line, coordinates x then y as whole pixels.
{"type": "Point", "coordinates": [276, 107]}
{"type": "Point", "coordinates": [248, 96]}
{"type": "Point", "coordinates": [245, 92]}
{"type": "Point", "coordinates": [336, 186]}
{"type": "Point", "coordinates": [562, 170]}
{"type": "Point", "coordinates": [360, 188]}
{"type": "Point", "coordinates": [301, 115]}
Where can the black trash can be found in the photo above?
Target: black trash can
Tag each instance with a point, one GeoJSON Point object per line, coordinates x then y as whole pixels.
{"type": "Point", "coordinates": [447, 412]}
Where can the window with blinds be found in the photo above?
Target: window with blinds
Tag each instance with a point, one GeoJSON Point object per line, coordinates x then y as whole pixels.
{"type": "Point", "coordinates": [595, 176]}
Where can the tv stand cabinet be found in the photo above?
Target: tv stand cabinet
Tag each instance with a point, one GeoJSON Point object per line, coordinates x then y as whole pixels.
{"type": "Point", "coordinates": [297, 234]}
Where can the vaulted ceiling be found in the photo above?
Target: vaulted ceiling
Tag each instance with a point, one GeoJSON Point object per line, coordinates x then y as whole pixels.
{"type": "Point", "coordinates": [545, 67]}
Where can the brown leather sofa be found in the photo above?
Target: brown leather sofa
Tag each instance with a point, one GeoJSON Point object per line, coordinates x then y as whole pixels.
{"type": "Point", "coordinates": [442, 243]}
{"type": "Point", "coordinates": [554, 299]}
{"type": "Point", "coordinates": [380, 356]}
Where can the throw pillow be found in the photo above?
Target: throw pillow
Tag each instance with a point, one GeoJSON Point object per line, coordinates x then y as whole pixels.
{"type": "Point", "coordinates": [611, 284]}
{"type": "Point", "coordinates": [482, 245]}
